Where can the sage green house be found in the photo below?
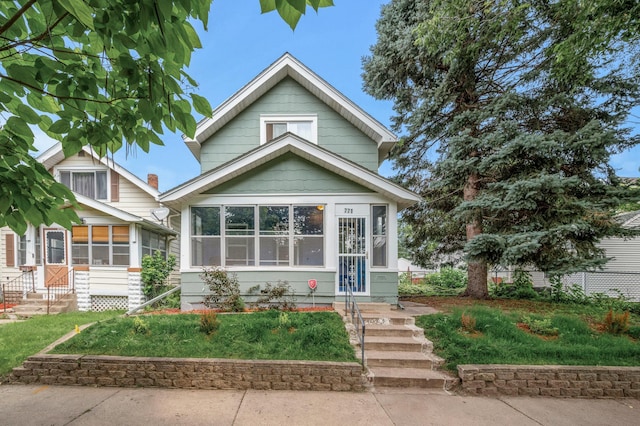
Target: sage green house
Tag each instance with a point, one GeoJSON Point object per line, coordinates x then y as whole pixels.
{"type": "Point", "coordinates": [289, 191]}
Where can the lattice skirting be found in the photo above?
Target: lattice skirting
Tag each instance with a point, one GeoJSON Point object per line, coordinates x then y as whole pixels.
{"type": "Point", "coordinates": [105, 303]}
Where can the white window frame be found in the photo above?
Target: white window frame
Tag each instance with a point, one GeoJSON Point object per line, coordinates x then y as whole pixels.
{"type": "Point", "coordinates": [279, 118]}
{"type": "Point", "coordinates": [58, 173]}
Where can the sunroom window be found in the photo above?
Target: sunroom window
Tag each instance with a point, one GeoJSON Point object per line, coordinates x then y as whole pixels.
{"type": "Point", "coordinates": [379, 236]}
{"type": "Point", "coordinates": [100, 245]}
{"type": "Point", "coordinates": [278, 235]}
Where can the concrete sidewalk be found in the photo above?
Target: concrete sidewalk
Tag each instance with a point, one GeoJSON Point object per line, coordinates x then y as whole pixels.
{"type": "Point", "coordinates": [66, 405]}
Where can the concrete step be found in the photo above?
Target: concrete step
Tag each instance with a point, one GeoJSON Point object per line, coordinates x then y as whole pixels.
{"type": "Point", "coordinates": [400, 359]}
{"type": "Point", "coordinates": [365, 307]}
{"type": "Point", "coordinates": [387, 343]}
{"type": "Point", "coordinates": [390, 318]}
{"type": "Point", "coordinates": [410, 378]}
{"type": "Point", "coordinates": [394, 330]}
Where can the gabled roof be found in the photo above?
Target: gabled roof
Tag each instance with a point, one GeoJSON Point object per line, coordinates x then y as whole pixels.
{"type": "Point", "coordinates": [55, 155]}
{"type": "Point", "coordinates": [302, 148]}
{"type": "Point", "coordinates": [288, 66]}
{"type": "Point", "coordinates": [121, 214]}
{"type": "Point", "coordinates": [630, 219]}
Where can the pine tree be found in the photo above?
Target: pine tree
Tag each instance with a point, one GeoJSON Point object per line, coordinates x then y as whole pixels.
{"type": "Point", "coordinates": [522, 141]}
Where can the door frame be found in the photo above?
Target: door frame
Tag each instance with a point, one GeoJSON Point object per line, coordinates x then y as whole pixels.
{"type": "Point", "coordinates": [354, 211]}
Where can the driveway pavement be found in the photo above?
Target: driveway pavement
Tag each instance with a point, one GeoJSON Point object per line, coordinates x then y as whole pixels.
{"type": "Point", "coordinates": [67, 405]}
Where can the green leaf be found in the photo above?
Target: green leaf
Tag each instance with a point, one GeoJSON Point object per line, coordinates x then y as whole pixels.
{"type": "Point", "coordinates": [201, 105]}
{"type": "Point", "coordinates": [80, 10]}
{"type": "Point", "coordinates": [29, 115]}
{"type": "Point", "coordinates": [267, 5]}
{"type": "Point", "coordinates": [19, 127]}
{"type": "Point", "coordinates": [60, 127]}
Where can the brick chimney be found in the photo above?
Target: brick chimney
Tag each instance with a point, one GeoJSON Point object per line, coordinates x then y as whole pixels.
{"type": "Point", "coordinates": [152, 180]}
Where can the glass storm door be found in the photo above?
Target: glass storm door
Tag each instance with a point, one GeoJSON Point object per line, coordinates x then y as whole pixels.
{"type": "Point", "coordinates": [352, 254]}
{"type": "Point", "coordinates": [55, 258]}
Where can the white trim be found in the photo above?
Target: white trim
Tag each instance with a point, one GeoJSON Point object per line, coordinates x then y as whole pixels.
{"type": "Point", "coordinates": [298, 146]}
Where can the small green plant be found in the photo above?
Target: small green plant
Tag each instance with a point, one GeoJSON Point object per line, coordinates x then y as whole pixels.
{"type": "Point", "coordinates": [209, 322]}
{"type": "Point", "coordinates": [540, 326]}
{"type": "Point", "coordinates": [468, 323]}
{"type": "Point", "coordinates": [224, 288]}
{"type": "Point", "coordinates": [140, 326]}
{"type": "Point", "coordinates": [616, 323]}
{"type": "Point", "coordinates": [155, 272]}
{"type": "Point", "coordinates": [283, 320]}
{"type": "Point", "coordinates": [280, 297]}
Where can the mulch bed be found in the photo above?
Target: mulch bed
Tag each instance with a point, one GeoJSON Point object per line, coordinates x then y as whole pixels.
{"type": "Point", "coordinates": [174, 311]}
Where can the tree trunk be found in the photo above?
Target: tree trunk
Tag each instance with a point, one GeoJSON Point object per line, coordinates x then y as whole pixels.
{"type": "Point", "coordinates": [477, 270]}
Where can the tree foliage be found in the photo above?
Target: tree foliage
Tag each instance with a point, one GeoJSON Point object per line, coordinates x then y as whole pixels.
{"type": "Point", "coordinates": [522, 115]}
{"type": "Point", "coordinates": [103, 73]}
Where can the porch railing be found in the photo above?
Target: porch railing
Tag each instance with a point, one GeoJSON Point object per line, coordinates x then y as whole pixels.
{"type": "Point", "coordinates": [58, 290]}
{"type": "Point", "coordinates": [351, 309]}
{"type": "Point", "coordinates": [15, 290]}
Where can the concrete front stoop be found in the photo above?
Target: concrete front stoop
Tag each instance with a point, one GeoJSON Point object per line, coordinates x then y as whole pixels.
{"type": "Point", "coordinates": [397, 354]}
{"type": "Point", "coordinates": [36, 304]}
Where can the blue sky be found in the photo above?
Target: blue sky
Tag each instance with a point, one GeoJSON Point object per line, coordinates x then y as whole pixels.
{"type": "Point", "coordinates": [240, 43]}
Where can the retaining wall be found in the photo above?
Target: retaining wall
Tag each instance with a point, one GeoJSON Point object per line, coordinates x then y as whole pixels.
{"type": "Point", "coordinates": [189, 373]}
{"type": "Point", "coordinates": [550, 381]}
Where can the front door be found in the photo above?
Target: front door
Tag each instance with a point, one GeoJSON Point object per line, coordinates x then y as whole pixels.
{"type": "Point", "coordinates": [352, 254]}
{"type": "Point", "coordinates": [55, 258]}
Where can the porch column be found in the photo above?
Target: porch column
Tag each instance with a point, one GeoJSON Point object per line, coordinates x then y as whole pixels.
{"type": "Point", "coordinates": [136, 297]}
{"type": "Point", "coordinates": [82, 283]}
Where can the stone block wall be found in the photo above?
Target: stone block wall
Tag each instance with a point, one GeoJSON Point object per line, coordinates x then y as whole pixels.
{"type": "Point", "coordinates": [189, 373]}
{"type": "Point", "coordinates": [550, 381]}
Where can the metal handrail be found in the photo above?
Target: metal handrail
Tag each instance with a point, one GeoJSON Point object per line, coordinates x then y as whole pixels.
{"type": "Point", "coordinates": [20, 285]}
{"type": "Point", "coordinates": [351, 308]}
{"type": "Point", "coordinates": [154, 300]}
{"type": "Point", "coordinates": [58, 290]}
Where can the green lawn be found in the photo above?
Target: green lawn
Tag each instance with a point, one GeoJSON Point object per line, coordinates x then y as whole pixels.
{"type": "Point", "coordinates": [261, 335]}
{"type": "Point", "coordinates": [499, 340]}
{"type": "Point", "coordinates": [21, 339]}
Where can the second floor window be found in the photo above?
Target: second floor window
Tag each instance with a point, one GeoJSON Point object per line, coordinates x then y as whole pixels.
{"type": "Point", "coordinates": [272, 126]}
{"type": "Point", "coordinates": [92, 184]}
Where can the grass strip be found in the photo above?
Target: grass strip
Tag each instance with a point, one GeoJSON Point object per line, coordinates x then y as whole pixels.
{"type": "Point", "coordinates": [268, 335]}
{"type": "Point", "coordinates": [22, 339]}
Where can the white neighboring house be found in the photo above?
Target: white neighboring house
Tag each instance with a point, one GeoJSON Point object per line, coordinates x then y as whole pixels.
{"type": "Point", "coordinates": [621, 274]}
{"type": "Point", "coordinates": [99, 258]}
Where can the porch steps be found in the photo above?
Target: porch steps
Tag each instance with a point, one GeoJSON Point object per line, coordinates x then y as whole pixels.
{"type": "Point", "coordinates": [35, 304]}
{"type": "Point", "coordinates": [397, 354]}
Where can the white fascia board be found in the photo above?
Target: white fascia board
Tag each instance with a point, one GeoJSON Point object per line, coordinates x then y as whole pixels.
{"type": "Point", "coordinates": [107, 209]}
{"type": "Point", "coordinates": [304, 149]}
{"type": "Point", "coordinates": [121, 214]}
{"type": "Point", "coordinates": [287, 65]}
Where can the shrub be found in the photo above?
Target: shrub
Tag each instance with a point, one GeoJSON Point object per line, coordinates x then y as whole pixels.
{"type": "Point", "coordinates": [616, 323]}
{"type": "Point", "coordinates": [209, 322]}
{"type": "Point", "coordinates": [520, 288]}
{"type": "Point", "coordinates": [224, 288]}
{"type": "Point", "coordinates": [155, 272]}
{"type": "Point", "coordinates": [279, 296]}
{"type": "Point", "coordinates": [447, 278]}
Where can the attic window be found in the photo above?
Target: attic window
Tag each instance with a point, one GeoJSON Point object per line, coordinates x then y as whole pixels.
{"type": "Point", "coordinates": [272, 126]}
{"type": "Point", "coordinates": [90, 183]}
